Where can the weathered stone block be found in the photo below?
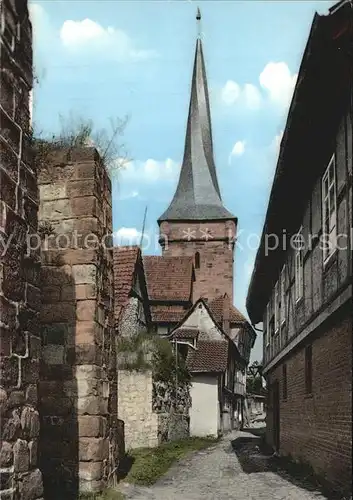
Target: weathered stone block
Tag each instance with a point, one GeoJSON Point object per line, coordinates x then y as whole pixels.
{"type": "Point", "coordinates": [88, 371]}
{"type": "Point", "coordinates": [55, 210]}
{"type": "Point", "coordinates": [54, 354]}
{"type": "Point", "coordinates": [88, 387]}
{"type": "Point", "coordinates": [68, 293]}
{"type": "Point", "coordinates": [86, 310]}
{"type": "Point", "coordinates": [3, 400]}
{"type": "Point", "coordinates": [55, 334]}
{"type": "Point", "coordinates": [87, 291]}
{"type": "Point", "coordinates": [30, 422]}
{"type": "Point", "coordinates": [6, 454]}
{"type": "Point", "coordinates": [32, 395]}
{"type": "Point", "coordinates": [50, 192]}
{"type": "Point", "coordinates": [86, 187]}
{"type": "Point", "coordinates": [84, 273]}
{"type": "Point", "coordinates": [16, 398]}
{"type": "Point", "coordinates": [91, 486]}
{"type": "Point", "coordinates": [21, 456]}
{"type": "Point", "coordinates": [86, 354]}
{"type": "Point", "coordinates": [84, 206]}
{"type": "Point", "coordinates": [51, 275]}
{"type": "Point", "coordinates": [31, 486]}
{"type": "Point", "coordinates": [33, 453]}
{"type": "Point", "coordinates": [90, 471]}
{"type": "Point", "coordinates": [33, 297]}
{"type": "Point", "coordinates": [92, 405]}
{"type": "Point", "coordinates": [12, 428]}
{"type": "Point", "coordinates": [56, 313]}
{"type": "Point", "coordinates": [93, 449]}
{"type": "Point", "coordinates": [92, 426]}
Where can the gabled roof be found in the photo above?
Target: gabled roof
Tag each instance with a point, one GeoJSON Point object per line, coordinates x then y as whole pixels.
{"type": "Point", "coordinates": [209, 357]}
{"type": "Point", "coordinates": [197, 196]}
{"type": "Point", "coordinates": [217, 307]}
{"type": "Point", "coordinates": [127, 262]}
{"type": "Point", "coordinates": [167, 314]}
{"type": "Point", "coordinates": [169, 279]}
{"type": "Point", "coordinates": [185, 333]}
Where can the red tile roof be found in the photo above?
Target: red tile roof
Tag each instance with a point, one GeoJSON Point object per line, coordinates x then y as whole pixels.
{"type": "Point", "coordinates": [211, 356]}
{"type": "Point", "coordinates": [185, 333]}
{"type": "Point", "coordinates": [167, 314]}
{"type": "Point", "coordinates": [168, 278]}
{"type": "Point", "coordinates": [217, 306]}
{"type": "Point", "coordinates": [124, 259]}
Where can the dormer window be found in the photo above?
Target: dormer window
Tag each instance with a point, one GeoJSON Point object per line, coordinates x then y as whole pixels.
{"type": "Point", "coordinates": [197, 260]}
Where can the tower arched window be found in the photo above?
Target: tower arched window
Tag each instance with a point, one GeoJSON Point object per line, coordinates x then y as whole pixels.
{"type": "Point", "coordinates": [197, 260]}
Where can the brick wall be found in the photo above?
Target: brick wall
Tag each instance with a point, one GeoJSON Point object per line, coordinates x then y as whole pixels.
{"type": "Point", "coordinates": [19, 270]}
{"type": "Point", "coordinates": [78, 375]}
{"type": "Point", "coordinates": [316, 429]}
{"type": "Point", "coordinates": [214, 242]}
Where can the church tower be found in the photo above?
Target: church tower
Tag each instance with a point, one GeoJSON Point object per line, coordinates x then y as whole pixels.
{"type": "Point", "coordinates": [196, 223]}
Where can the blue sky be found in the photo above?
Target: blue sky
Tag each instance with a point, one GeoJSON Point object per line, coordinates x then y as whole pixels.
{"type": "Point", "coordinates": [104, 59]}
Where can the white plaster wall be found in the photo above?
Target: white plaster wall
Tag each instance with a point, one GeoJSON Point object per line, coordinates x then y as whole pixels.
{"type": "Point", "coordinates": [200, 319]}
{"type": "Point", "coordinates": [204, 411]}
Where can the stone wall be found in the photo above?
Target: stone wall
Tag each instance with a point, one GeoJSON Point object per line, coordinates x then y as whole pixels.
{"type": "Point", "coordinates": [19, 269]}
{"type": "Point", "coordinates": [132, 319]}
{"type": "Point", "coordinates": [78, 376]}
{"type": "Point", "coordinates": [148, 410]}
{"type": "Point", "coordinates": [135, 409]}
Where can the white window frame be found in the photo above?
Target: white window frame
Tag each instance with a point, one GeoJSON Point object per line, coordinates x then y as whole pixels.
{"type": "Point", "coordinates": [299, 269]}
{"type": "Point", "coordinates": [283, 311]}
{"type": "Point", "coordinates": [328, 188]}
{"type": "Point", "coordinates": [276, 304]}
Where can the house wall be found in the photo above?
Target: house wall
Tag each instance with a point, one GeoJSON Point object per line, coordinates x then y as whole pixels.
{"type": "Point", "coordinates": [201, 319]}
{"type": "Point", "coordinates": [321, 282]}
{"type": "Point", "coordinates": [20, 343]}
{"type": "Point", "coordinates": [321, 432]}
{"type": "Point", "coordinates": [215, 275]}
{"type": "Point", "coordinates": [204, 412]}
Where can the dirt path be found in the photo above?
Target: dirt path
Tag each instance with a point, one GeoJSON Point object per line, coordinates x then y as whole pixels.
{"type": "Point", "coordinates": [232, 469]}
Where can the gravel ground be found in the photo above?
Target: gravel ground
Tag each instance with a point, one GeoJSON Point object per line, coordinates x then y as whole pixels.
{"type": "Point", "coordinates": [225, 471]}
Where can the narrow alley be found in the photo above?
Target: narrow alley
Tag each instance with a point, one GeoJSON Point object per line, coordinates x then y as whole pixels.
{"type": "Point", "coordinates": [234, 468]}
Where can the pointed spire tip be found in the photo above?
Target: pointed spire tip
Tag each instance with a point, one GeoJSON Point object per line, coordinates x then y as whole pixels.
{"type": "Point", "coordinates": [198, 14]}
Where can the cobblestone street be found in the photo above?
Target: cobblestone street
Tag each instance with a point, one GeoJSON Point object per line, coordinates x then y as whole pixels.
{"type": "Point", "coordinates": [225, 472]}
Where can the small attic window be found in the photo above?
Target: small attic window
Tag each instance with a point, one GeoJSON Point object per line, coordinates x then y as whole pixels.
{"type": "Point", "coordinates": [197, 260]}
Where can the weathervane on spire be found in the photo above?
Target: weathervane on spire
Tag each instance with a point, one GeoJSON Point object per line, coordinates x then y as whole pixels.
{"type": "Point", "coordinates": [198, 19]}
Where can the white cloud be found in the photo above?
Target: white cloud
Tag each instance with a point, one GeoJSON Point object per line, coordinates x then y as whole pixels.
{"type": "Point", "coordinates": [276, 143]}
{"type": "Point", "coordinates": [276, 78]}
{"type": "Point", "coordinates": [150, 171]}
{"type": "Point", "coordinates": [127, 236]}
{"type": "Point", "coordinates": [230, 92]}
{"type": "Point", "coordinates": [252, 96]}
{"type": "Point", "coordinates": [238, 150]}
{"type": "Point", "coordinates": [233, 93]}
{"type": "Point", "coordinates": [89, 35]}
